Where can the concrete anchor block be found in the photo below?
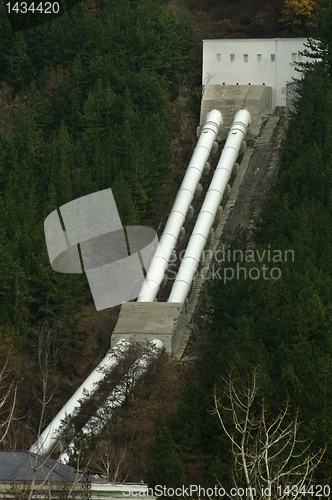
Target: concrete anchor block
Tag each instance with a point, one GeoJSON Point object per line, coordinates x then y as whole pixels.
{"type": "Point", "coordinates": [207, 168]}
{"type": "Point", "coordinates": [235, 169]}
{"type": "Point", "coordinates": [215, 148]}
{"type": "Point", "coordinates": [199, 190]}
{"type": "Point", "coordinates": [191, 212]}
{"type": "Point", "coordinates": [243, 148]}
{"type": "Point", "coordinates": [227, 192]}
{"type": "Point", "coordinates": [145, 321]}
{"type": "Point", "coordinates": [220, 211]}
{"type": "Point", "coordinates": [164, 281]}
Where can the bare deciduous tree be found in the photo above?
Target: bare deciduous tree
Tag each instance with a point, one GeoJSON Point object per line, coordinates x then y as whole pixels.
{"type": "Point", "coordinates": [110, 461]}
{"type": "Point", "coordinates": [268, 455]}
{"type": "Point", "coordinates": [8, 391]}
{"type": "Point", "coordinates": [50, 343]}
{"type": "Point", "coordinates": [10, 379]}
{"type": "Point", "coordinates": [47, 357]}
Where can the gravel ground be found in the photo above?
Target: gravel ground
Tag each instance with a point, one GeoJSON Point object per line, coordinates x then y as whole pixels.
{"type": "Point", "coordinates": [261, 174]}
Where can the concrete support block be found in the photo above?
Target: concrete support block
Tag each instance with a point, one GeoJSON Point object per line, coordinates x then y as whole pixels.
{"type": "Point", "coordinates": [191, 212]}
{"type": "Point", "coordinates": [243, 148]}
{"type": "Point", "coordinates": [220, 211]}
{"type": "Point", "coordinates": [145, 321]}
{"type": "Point", "coordinates": [229, 99]}
{"type": "Point", "coordinates": [215, 148]}
{"type": "Point", "coordinates": [227, 192]}
{"type": "Point", "coordinates": [207, 168]}
{"type": "Point", "coordinates": [235, 169]}
{"type": "Point", "coordinates": [199, 190]}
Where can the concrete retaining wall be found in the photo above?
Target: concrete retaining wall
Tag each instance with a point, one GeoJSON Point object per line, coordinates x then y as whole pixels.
{"type": "Point", "coordinates": [229, 99]}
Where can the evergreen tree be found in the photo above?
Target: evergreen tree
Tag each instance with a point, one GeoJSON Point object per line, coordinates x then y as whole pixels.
{"type": "Point", "coordinates": [166, 467]}
{"type": "Point", "coordinates": [321, 42]}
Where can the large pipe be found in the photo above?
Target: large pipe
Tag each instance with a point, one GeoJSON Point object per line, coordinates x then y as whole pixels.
{"type": "Point", "coordinates": [49, 438]}
{"type": "Point", "coordinates": [118, 395]}
{"type": "Point", "coordinates": [180, 208]}
{"type": "Point", "coordinates": [206, 217]}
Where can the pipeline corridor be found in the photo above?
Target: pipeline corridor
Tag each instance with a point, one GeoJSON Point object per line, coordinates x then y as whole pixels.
{"type": "Point", "coordinates": [183, 233]}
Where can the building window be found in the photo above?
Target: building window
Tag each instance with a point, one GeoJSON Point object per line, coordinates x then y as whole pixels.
{"type": "Point", "coordinates": [273, 57]}
{"type": "Point", "coordinates": [218, 57]}
{"type": "Point", "coordinates": [259, 57]}
{"type": "Point", "coordinates": [232, 57]}
{"type": "Point", "coordinates": [245, 57]}
{"type": "Point", "coordinates": [300, 56]}
{"type": "Point", "coordinates": [293, 56]}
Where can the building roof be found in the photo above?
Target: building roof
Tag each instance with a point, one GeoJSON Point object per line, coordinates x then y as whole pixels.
{"type": "Point", "coordinates": [256, 40]}
{"type": "Point", "coordinates": [26, 466]}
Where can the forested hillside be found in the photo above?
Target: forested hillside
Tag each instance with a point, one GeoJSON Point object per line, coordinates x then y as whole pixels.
{"type": "Point", "coordinates": [88, 102]}
{"type": "Point", "coordinates": [90, 112]}
{"type": "Point", "coordinates": [251, 19]}
{"type": "Point", "coordinates": [91, 101]}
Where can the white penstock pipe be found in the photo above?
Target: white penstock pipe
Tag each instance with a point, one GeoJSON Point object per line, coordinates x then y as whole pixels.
{"type": "Point", "coordinates": [117, 396]}
{"type": "Point", "coordinates": [180, 208]}
{"type": "Point", "coordinates": [49, 438]}
{"type": "Point", "coordinates": [206, 217]}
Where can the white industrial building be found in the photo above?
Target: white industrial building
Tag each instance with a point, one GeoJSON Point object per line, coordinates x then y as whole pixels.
{"type": "Point", "coordinates": [265, 61]}
{"type": "Point", "coordinates": [252, 73]}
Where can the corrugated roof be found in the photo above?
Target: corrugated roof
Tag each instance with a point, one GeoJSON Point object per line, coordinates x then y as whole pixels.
{"type": "Point", "coordinates": [26, 466]}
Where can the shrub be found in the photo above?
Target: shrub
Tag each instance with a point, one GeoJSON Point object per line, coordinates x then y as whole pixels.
{"type": "Point", "coordinates": [245, 20]}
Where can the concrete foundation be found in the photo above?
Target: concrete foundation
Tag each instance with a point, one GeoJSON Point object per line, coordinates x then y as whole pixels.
{"type": "Point", "coordinates": [145, 321]}
{"type": "Point", "coordinates": [229, 99]}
